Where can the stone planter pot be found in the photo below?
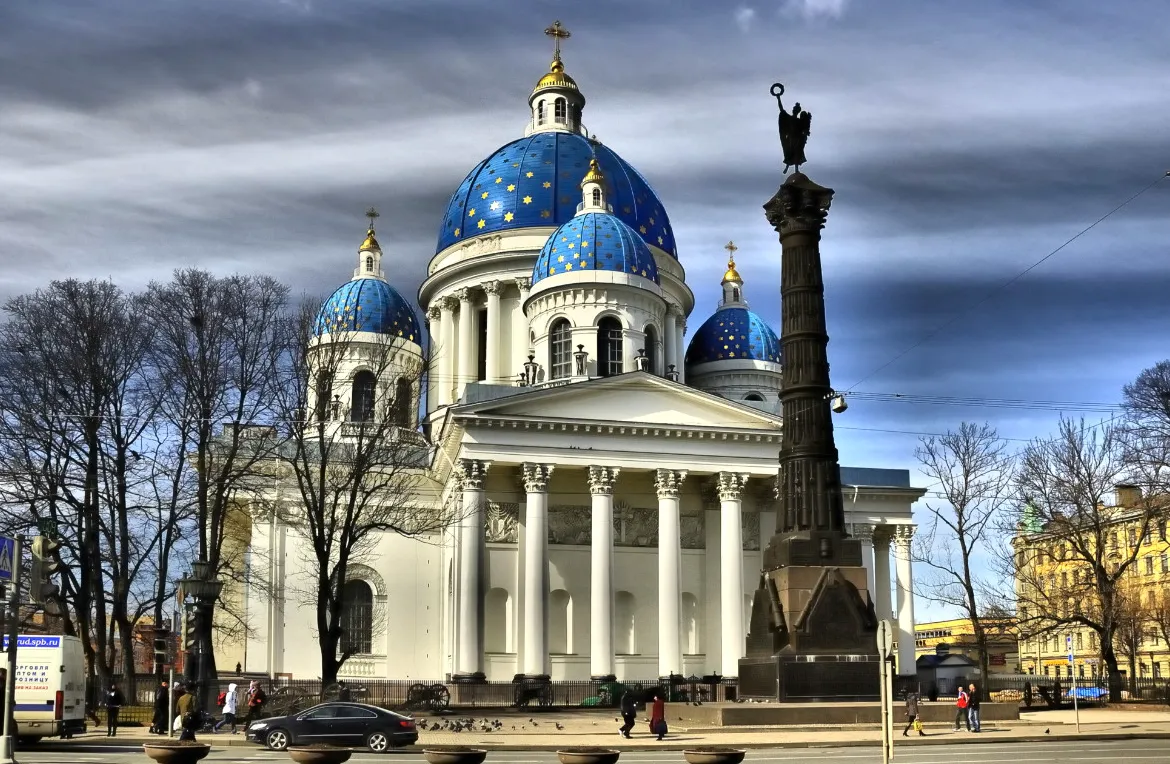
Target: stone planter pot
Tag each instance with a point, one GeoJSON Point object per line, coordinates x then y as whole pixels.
{"type": "Point", "coordinates": [454, 755]}
{"type": "Point", "coordinates": [174, 753]}
{"type": "Point", "coordinates": [714, 755]}
{"type": "Point", "coordinates": [303, 755]}
{"type": "Point", "coordinates": [588, 755]}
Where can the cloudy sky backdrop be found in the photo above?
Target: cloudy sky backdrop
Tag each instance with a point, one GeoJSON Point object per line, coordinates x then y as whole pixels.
{"type": "Point", "coordinates": [965, 141]}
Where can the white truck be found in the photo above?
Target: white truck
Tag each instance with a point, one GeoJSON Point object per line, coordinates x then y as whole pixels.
{"type": "Point", "coordinates": [50, 685]}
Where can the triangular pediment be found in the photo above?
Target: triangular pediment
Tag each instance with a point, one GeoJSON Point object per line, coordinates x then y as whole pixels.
{"type": "Point", "coordinates": [634, 398]}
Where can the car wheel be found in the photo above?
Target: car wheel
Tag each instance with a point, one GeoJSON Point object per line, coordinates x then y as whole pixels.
{"type": "Point", "coordinates": [276, 740]}
{"type": "Point", "coordinates": [378, 742]}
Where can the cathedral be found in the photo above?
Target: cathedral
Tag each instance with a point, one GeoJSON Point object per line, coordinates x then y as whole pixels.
{"type": "Point", "coordinates": [614, 481]}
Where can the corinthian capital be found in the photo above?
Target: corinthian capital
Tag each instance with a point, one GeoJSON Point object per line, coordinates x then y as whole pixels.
{"type": "Point", "coordinates": [669, 483]}
{"type": "Point", "coordinates": [601, 480]}
{"type": "Point", "coordinates": [463, 294]}
{"type": "Point", "coordinates": [434, 313]}
{"type": "Point", "coordinates": [731, 485]}
{"type": "Point", "coordinates": [536, 477]}
{"type": "Point", "coordinates": [493, 287]}
{"type": "Point", "coordinates": [799, 205]}
{"type": "Point", "coordinates": [471, 473]}
{"type": "Point", "coordinates": [902, 534]}
{"type": "Point", "coordinates": [863, 532]}
{"type": "Point", "coordinates": [524, 283]}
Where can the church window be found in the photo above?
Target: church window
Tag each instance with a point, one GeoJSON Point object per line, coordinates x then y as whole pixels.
{"type": "Point", "coordinates": [540, 112]}
{"type": "Point", "coordinates": [609, 347]}
{"type": "Point", "coordinates": [652, 348]}
{"type": "Point", "coordinates": [369, 263]}
{"type": "Point", "coordinates": [559, 110]}
{"type": "Point", "coordinates": [324, 393]}
{"type": "Point", "coordinates": [735, 294]}
{"type": "Point", "coordinates": [364, 387]}
{"type": "Point", "coordinates": [402, 399]}
{"type": "Point", "coordinates": [560, 350]}
{"type": "Point", "coordinates": [596, 197]}
{"type": "Point", "coordinates": [481, 345]}
{"type": "Point", "coordinates": [756, 397]}
{"type": "Point", "coordinates": [357, 618]}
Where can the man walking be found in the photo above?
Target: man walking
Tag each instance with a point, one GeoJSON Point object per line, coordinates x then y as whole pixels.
{"type": "Point", "coordinates": [158, 722]}
{"type": "Point", "coordinates": [114, 702]}
{"type": "Point", "coordinates": [961, 709]}
{"type": "Point", "coordinates": [973, 708]}
{"type": "Point", "coordinates": [629, 705]}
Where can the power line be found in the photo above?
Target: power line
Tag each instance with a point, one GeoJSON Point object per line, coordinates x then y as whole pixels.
{"type": "Point", "coordinates": [959, 314]}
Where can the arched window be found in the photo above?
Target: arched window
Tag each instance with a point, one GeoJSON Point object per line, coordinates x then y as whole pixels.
{"type": "Point", "coordinates": [609, 347]}
{"type": "Point", "coordinates": [540, 112]}
{"type": "Point", "coordinates": [596, 197]}
{"type": "Point", "coordinates": [362, 406]}
{"type": "Point", "coordinates": [560, 349]}
{"type": "Point", "coordinates": [357, 617]}
{"type": "Point", "coordinates": [624, 607]}
{"type": "Point", "coordinates": [560, 622]}
{"type": "Point", "coordinates": [756, 397]}
{"type": "Point", "coordinates": [369, 262]}
{"type": "Point", "coordinates": [559, 110]}
{"type": "Point", "coordinates": [324, 393]}
{"type": "Point", "coordinates": [735, 294]}
{"type": "Point", "coordinates": [497, 621]}
{"type": "Point", "coordinates": [402, 401]}
{"type": "Point", "coordinates": [652, 348]}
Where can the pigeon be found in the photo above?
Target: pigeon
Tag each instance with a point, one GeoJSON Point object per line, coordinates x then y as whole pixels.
{"type": "Point", "coordinates": [559, 726]}
{"type": "Point", "coordinates": [1045, 730]}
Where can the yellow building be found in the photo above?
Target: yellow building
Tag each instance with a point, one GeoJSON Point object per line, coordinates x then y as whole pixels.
{"type": "Point", "coordinates": [957, 637]}
{"type": "Point", "coordinates": [1053, 577]}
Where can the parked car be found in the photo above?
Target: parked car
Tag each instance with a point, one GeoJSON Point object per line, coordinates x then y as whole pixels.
{"type": "Point", "coordinates": [344, 724]}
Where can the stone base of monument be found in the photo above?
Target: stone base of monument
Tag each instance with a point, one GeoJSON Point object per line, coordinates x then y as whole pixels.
{"type": "Point", "coordinates": [811, 678]}
{"type": "Point", "coordinates": [742, 715]}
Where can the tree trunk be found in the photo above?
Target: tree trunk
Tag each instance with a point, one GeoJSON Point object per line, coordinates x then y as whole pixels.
{"type": "Point", "coordinates": [1109, 658]}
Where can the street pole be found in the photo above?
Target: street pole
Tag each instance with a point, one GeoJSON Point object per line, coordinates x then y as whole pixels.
{"type": "Point", "coordinates": [171, 702]}
{"type": "Point", "coordinates": [1068, 641]}
{"type": "Point", "coordinates": [8, 744]}
{"type": "Point", "coordinates": [885, 648]}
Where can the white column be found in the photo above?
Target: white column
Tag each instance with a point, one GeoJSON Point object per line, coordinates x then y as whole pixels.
{"type": "Point", "coordinates": [434, 332]}
{"type": "Point", "coordinates": [669, 335]}
{"type": "Point", "coordinates": [521, 344]}
{"type": "Point", "coordinates": [447, 350]}
{"type": "Point", "coordinates": [534, 661]}
{"type": "Point", "coordinates": [601, 665]}
{"type": "Point", "coordinates": [881, 573]}
{"type": "Point", "coordinates": [864, 533]}
{"type": "Point", "coordinates": [905, 579]}
{"type": "Point", "coordinates": [681, 347]}
{"type": "Point", "coordinates": [731, 570]}
{"type": "Point", "coordinates": [668, 483]}
{"type": "Point", "coordinates": [493, 289]}
{"type": "Point", "coordinates": [466, 347]}
{"type": "Point", "coordinates": [468, 621]}
{"type": "Point", "coordinates": [630, 345]}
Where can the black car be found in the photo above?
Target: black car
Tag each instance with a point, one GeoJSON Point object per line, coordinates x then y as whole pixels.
{"type": "Point", "coordinates": [345, 724]}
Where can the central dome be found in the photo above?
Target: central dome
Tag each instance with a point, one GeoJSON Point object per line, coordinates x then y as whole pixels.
{"type": "Point", "coordinates": [533, 182]}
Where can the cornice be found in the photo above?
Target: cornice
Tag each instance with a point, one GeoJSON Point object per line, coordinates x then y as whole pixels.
{"type": "Point", "coordinates": [586, 427]}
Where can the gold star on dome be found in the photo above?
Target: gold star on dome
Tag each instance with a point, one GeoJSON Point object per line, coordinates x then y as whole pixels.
{"type": "Point", "coordinates": [660, 241]}
{"type": "Point", "coordinates": [481, 224]}
{"type": "Point", "coordinates": [569, 267]}
{"type": "Point", "coordinates": [547, 184]}
{"type": "Point", "coordinates": [508, 217]}
{"type": "Point", "coordinates": [499, 180]}
{"type": "Point", "coordinates": [642, 229]}
{"type": "Point", "coordinates": [471, 212]}
{"type": "Point", "coordinates": [528, 174]}
{"type": "Point", "coordinates": [494, 206]}
{"type": "Point", "coordinates": [545, 214]}
{"type": "Point", "coordinates": [570, 245]}
{"type": "Point", "coordinates": [511, 186]}
{"type": "Point", "coordinates": [527, 200]}
{"type": "Point", "coordinates": [584, 244]}
{"type": "Point", "coordinates": [561, 259]}
{"type": "Point", "coordinates": [484, 195]}
{"type": "Point", "coordinates": [651, 221]}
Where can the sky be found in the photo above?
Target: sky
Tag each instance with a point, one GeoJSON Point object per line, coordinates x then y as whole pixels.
{"type": "Point", "coordinates": [965, 142]}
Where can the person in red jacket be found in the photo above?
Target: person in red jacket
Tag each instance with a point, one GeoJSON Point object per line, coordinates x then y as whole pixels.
{"type": "Point", "coordinates": [961, 709]}
{"type": "Point", "coordinates": [658, 716]}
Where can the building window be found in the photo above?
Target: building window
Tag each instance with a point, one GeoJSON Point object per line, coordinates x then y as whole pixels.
{"type": "Point", "coordinates": [1150, 565]}
{"type": "Point", "coordinates": [652, 349]}
{"type": "Point", "coordinates": [1162, 530]}
{"type": "Point", "coordinates": [1133, 536]}
{"type": "Point", "coordinates": [540, 112]}
{"type": "Point", "coordinates": [596, 197]}
{"type": "Point", "coordinates": [756, 397]}
{"type": "Point", "coordinates": [560, 340]}
{"type": "Point", "coordinates": [609, 347]}
{"type": "Point", "coordinates": [1080, 641]}
{"type": "Point", "coordinates": [357, 617]}
{"type": "Point", "coordinates": [559, 110]}
{"type": "Point", "coordinates": [325, 395]}
{"type": "Point", "coordinates": [369, 263]}
{"type": "Point", "coordinates": [1165, 563]}
{"type": "Point", "coordinates": [402, 401]}
{"type": "Point", "coordinates": [364, 387]}
{"type": "Point", "coordinates": [481, 349]}
{"type": "Point", "coordinates": [1081, 671]}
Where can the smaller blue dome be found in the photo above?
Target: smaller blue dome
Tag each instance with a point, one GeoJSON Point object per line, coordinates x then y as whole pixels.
{"type": "Point", "coordinates": [368, 305]}
{"type": "Point", "coordinates": [733, 334]}
{"type": "Point", "coordinates": [595, 241]}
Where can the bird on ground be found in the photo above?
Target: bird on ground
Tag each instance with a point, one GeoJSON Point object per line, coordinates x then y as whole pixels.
{"type": "Point", "coordinates": [559, 725]}
{"type": "Point", "coordinates": [1045, 730]}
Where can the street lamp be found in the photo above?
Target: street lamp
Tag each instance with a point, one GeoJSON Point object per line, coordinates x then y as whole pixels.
{"type": "Point", "coordinates": [203, 588]}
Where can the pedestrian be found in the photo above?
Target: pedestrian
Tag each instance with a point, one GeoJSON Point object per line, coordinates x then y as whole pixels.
{"type": "Point", "coordinates": [256, 698]}
{"type": "Point", "coordinates": [973, 708]}
{"type": "Point", "coordinates": [629, 706]}
{"type": "Point", "coordinates": [658, 717]}
{"type": "Point", "coordinates": [158, 721]}
{"type": "Point", "coordinates": [961, 709]}
{"type": "Point", "coordinates": [114, 702]}
{"type": "Point", "coordinates": [343, 693]}
{"type": "Point", "coordinates": [229, 709]}
{"type": "Point", "coordinates": [912, 714]}
{"type": "Point", "coordinates": [188, 719]}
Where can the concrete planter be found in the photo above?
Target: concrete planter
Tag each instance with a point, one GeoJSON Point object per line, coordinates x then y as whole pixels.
{"type": "Point", "coordinates": [454, 755]}
{"type": "Point", "coordinates": [714, 755]}
{"type": "Point", "coordinates": [319, 755]}
{"type": "Point", "coordinates": [175, 753]}
{"type": "Point", "coordinates": [588, 756]}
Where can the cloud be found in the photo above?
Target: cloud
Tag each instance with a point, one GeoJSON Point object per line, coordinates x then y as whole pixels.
{"type": "Point", "coordinates": [744, 16]}
{"type": "Point", "coordinates": [815, 10]}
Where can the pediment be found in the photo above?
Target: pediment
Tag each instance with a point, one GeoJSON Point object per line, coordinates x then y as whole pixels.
{"type": "Point", "coordinates": [633, 398]}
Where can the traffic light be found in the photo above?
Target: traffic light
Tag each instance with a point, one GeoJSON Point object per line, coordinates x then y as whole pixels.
{"type": "Point", "coordinates": [44, 567]}
{"type": "Point", "coordinates": [162, 645]}
{"type": "Point", "coordinates": [190, 634]}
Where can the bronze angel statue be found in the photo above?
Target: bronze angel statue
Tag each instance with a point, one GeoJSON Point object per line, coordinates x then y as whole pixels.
{"type": "Point", "coordinates": [794, 130]}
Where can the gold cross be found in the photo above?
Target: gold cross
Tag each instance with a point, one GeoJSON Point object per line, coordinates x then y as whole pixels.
{"type": "Point", "coordinates": [558, 33]}
{"type": "Point", "coordinates": [730, 247]}
{"type": "Point", "coordinates": [372, 213]}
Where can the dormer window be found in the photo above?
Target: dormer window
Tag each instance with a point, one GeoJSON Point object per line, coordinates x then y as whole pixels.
{"type": "Point", "coordinates": [597, 197]}
{"type": "Point", "coordinates": [559, 113]}
{"type": "Point", "coordinates": [540, 112]}
{"type": "Point", "coordinates": [369, 263]}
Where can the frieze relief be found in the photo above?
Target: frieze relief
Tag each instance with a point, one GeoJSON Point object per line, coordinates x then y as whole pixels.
{"type": "Point", "coordinates": [502, 522]}
{"type": "Point", "coordinates": [632, 526]}
{"type": "Point", "coordinates": [750, 524]}
{"type": "Point", "coordinates": [570, 525]}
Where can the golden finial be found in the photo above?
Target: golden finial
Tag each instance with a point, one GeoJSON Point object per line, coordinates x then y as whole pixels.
{"type": "Point", "coordinates": [732, 275]}
{"type": "Point", "coordinates": [558, 33]}
{"type": "Point", "coordinates": [556, 77]}
{"type": "Point", "coordinates": [594, 175]}
{"type": "Point", "coordinates": [370, 243]}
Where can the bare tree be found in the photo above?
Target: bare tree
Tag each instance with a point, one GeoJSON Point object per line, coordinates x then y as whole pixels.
{"type": "Point", "coordinates": [348, 404]}
{"type": "Point", "coordinates": [1076, 546]}
{"type": "Point", "coordinates": [1133, 618]}
{"type": "Point", "coordinates": [974, 472]}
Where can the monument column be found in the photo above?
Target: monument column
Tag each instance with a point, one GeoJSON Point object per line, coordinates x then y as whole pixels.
{"type": "Point", "coordinates": [731, 486]}
{"type": "Point", "coordinates": [863, 532]}
{"type": "Point", "coordinates": [601, 664]}
{"type": "Point", "coordinates": [905, 581]}
{"type": "Point", "coordinates": [668, 483]}
{"type": "Point", "coordinates": [468, 615]}
{"type": "Point", "coordinates": [881, 573]}
{"type": "Point", "coordinates": [493, 289]}
{"type": "Point", "coordinates": [535, 657]}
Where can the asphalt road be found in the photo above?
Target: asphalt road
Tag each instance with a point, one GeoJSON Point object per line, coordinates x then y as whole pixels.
{"type": "Point", "coordinates": [1138, 751]}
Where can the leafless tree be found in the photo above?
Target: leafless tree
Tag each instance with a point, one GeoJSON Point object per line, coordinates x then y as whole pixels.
{"type": "Point", "coordinates": [974, 470]}
{"type": "Point", "coordinates": [1133, 619]}
{"type": "Point", "coordinates": [348, 404]}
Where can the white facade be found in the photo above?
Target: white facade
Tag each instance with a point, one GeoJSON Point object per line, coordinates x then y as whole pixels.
{"type": "Point", "coordinates": [610, 523]}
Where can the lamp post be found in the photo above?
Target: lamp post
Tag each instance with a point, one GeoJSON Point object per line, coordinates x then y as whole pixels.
{"type": "Point", "coordinates": [203, 587]}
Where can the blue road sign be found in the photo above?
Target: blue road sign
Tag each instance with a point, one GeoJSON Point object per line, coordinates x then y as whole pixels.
{"type": "Point", "coordinates": [7, 558]}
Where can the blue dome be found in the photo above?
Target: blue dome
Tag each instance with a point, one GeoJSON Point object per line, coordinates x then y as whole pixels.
{"type": "Point", "coordinates": [595, 241]}
{"type": "Point", "coordinates": [733, 334]}
{"type": "Point", "coordinates": [368, 305]}
{"type": "Point", "coordinates": [535, 181]}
